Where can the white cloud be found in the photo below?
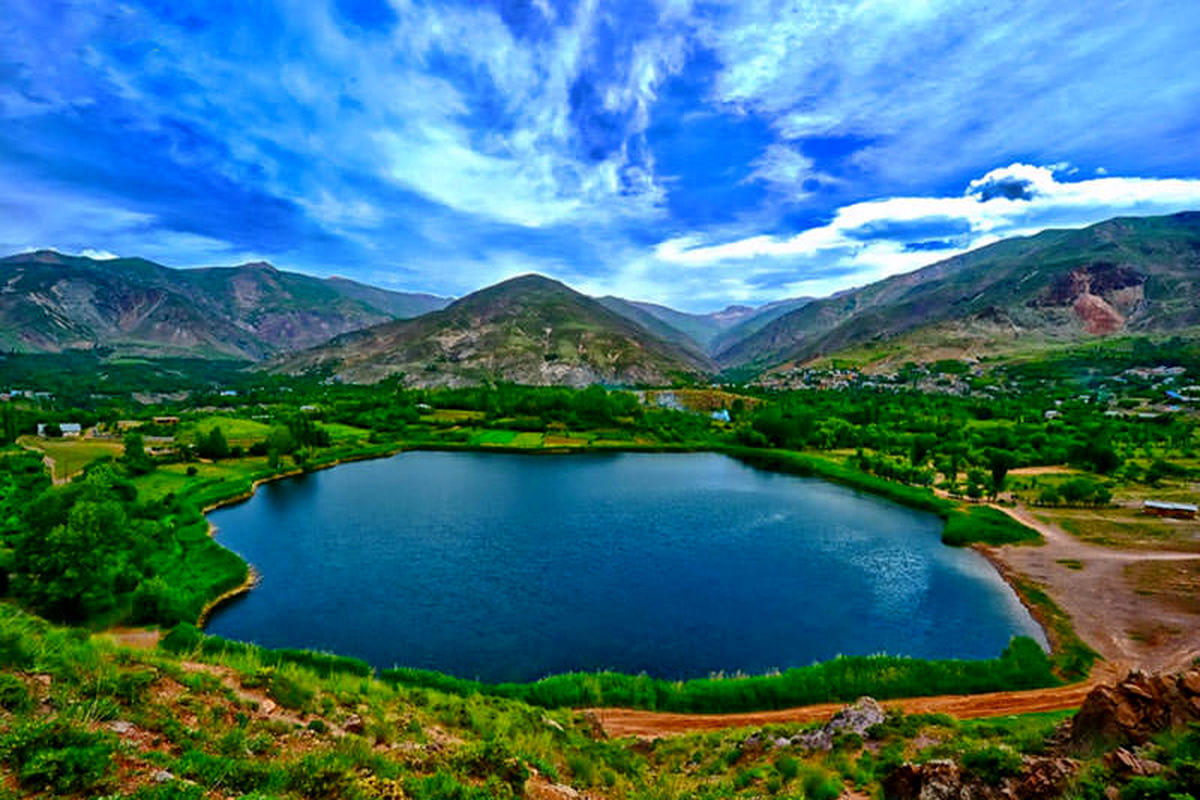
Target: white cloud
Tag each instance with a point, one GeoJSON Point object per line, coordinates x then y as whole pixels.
{"type": "Point", "coordinates": [869, 241]}
{"type": "Point", "coordinates": [98, 255]}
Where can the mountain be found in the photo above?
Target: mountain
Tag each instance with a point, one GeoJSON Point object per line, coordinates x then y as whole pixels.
{"type": "Point", "coordinates": [1124, 276]}
{"type": "Point", "coordinates": [51, 302]}
{"type": "Point", "coordinates": [706, 332]}
{"type": "Point", "coordinates": [529, 329]}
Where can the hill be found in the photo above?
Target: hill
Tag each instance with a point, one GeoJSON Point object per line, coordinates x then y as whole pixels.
{"type": "Point", "coordinates": [50, 302]}
{"type": "Point", "coordinates": [529, 329]}
{"type": "Point", "coordinates": [1120, 277]}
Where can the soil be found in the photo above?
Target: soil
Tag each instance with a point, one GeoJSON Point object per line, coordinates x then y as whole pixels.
{"type": "Point", "coordinates": [618, 722]}
{"type": "Point", "coordinates": [1130, 629]}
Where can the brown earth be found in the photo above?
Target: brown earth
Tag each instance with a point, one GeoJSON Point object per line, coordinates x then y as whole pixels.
{"type": "Point", "coordinates": [1130, 629]}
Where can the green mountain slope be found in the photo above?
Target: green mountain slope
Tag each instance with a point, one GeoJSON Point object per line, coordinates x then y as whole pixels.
{"type": "Point", "coordinates": [51, 302]}
{"type": "Point", "coordinates": [1124, 276]}
{"type": "Point", "coordinates": [528, 329]}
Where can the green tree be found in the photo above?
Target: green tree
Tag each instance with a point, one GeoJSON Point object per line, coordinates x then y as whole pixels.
{"type": "Point", "coordinates": [213, 445]}
{"type": "Point", "coordinates": [135, 458]}
{"type": "Point", "coordinates": [999, 463]}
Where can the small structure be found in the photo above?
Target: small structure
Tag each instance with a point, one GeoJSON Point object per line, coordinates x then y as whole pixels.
{"type": "Point", "coordinates": [67, 428]}
{"type": "Point", "coordinates": [166, 420]}
{"type": "Point", "coordinates": [721, 416]}
{"type": "Point", "coordinates": [1165, 508]}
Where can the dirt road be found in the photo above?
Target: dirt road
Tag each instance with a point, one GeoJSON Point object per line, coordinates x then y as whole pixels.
{"type": "Point", "coordinates": [619, 722]}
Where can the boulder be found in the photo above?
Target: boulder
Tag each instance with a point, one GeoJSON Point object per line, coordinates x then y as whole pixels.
{"type": "Point", "coordinates": [1039, 779]}
{"type": "Point", "coordinates": [858, 718]}
{"type": "Point", "coordinates": [1132, 711]}
{"type": "Point", "coordinates": [353, 724]}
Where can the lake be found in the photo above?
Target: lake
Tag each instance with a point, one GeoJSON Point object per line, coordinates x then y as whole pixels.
{"type": "Point", "coordinates": [511, 567]}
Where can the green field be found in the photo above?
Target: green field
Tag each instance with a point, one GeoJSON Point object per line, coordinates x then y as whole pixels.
{"type": "Point", "coordinates": [71, 455]}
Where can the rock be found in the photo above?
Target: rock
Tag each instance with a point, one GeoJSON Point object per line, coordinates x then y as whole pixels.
{"type": "Point", "coordinates": [538, 788]}
{"type": "Point", "coordinates": [595, 726]}
{"type": "Point", "coordinates": [1045, 778]}
{"type": "Point", "coordinates": [353, 724]}
{"type": "Point", "coordinates": [754, 744]}
{"type": "Point", "coordinates": [162, 776]}
{"type": "Point", "coordinates": [933, 780]}
{"type": "Point", "coordinates": [780, 742]}
{"type": "Point", "coordinates": [1132, 711]}
{"type": "Point", "coordinates": [120, 727]}
{"type": "Point", "coordinates": [1040, 779]}
{"type": "Point", "coordinates": [267, 707]}
{"type": "Point", "coordinates": [857, 718]}
{"type": "Point", "coordinates": [1125, 762]}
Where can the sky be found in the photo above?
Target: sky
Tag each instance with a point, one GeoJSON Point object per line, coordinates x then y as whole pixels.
{"type": "Point", "coordinates": [690, 153]}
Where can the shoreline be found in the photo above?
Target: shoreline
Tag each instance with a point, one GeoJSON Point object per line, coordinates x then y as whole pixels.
{"type": "Point", "coordinates": [253, 577]}
{"type": "Point", "coordinates": [1011, 578]}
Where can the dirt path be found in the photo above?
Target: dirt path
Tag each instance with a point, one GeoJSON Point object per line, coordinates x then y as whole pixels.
{"type": "Point", "coordinates": [652, 724]}
{"type": "Point", "coordinates": [1131, 630]}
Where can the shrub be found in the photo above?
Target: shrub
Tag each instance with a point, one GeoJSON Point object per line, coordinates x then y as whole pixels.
{"type": "Point", "coordinates": [787, 767]}
{"type": "Point", "coordinates": [13, 694]}
{"type": "Point", "coordinates": [992, 764]}
{"type": "Point", "coordinates": [58, 757]}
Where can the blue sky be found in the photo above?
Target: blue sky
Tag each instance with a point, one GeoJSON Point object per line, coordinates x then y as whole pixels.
{"type": "Point", "coordinates": [691, 153]}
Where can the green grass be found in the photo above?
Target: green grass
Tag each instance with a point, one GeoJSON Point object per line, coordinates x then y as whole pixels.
{"type": "Point", "coordinates": [493, 437]}
{"type": "Point", "coordinates": [983, 525]}
{"type": "Point", "coordinates": [236, 430]}
{"type": "Point", "coordinates": [71, 455]}
{"type": "Point", "coordinates": [1022, 666]}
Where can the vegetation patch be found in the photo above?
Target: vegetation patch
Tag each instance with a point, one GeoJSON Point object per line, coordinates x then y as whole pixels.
{"type": "Point", "coordinates": [1023, 665]}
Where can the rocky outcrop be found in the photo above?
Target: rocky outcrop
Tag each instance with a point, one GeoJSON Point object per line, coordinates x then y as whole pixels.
{"type": "Point", "coordinates": [1132, 711]}
{"type": "Point", "coordinates": [858, 718]}
{"type": "Point", "coordinates": [945, 780]}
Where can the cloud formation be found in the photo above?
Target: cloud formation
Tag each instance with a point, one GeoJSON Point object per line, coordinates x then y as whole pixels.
{"type": "Point", "coordinates": [685, 152]}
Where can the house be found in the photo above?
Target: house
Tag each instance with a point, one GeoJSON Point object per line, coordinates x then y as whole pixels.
{"type": "Point", "coordinates": [166, 420]}
{"type": "Point", "coordinates": [721, 416]}
{"type": "Point", "coordinates": [67, 428]}
{"type": "Point", "coordinates": [1164, 508]}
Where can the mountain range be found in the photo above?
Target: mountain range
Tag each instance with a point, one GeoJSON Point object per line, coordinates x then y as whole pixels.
{"type": "Point", "coordinates": [1126, 276]}
{"type": "Point", "coordinates": [50, 302]}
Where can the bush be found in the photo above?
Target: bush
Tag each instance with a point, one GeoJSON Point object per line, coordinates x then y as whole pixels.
{"type": "Point", "coordinates": [992, 764]}
{"type": "Point", "coordinates": [13, 694]}
{"type": "Point", "coordinates": [58, 757]}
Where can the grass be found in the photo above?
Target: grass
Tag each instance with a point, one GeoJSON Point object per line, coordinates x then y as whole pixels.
{"type": "Point", "coordinates": [1125, 528]}
{"type": "Point", "coordinates": [1023, 665]}
{"type": "Point", "coordinates": [236, 430]}
{"type": "Point", "coordinates": [1072, 658]}
{"type": "Point", "coordinates": [980, 524]}
{"type": "Point", "coordinates": [71, 455]}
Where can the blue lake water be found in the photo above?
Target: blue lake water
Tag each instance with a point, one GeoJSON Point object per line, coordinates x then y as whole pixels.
{"type": "Point", "coordinates": [511, 567]}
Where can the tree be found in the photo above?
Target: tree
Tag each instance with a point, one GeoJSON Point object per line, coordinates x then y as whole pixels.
{"type": "Point", "coordinates": [135, 458]}
{"type": "Point", "coordinates": [213, 445]}
{"type": "Point", "coordinates": [999, 463]}
{"type": "Point", "coordinates": [9, 428]}
{"type": "Point", "coordinates": [78, 550]}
